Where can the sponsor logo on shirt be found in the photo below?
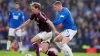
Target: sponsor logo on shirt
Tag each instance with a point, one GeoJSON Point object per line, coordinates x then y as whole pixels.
{"type": "Point", "coordinates": [15, 17]}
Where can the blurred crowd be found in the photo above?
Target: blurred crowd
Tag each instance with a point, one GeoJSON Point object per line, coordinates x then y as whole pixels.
{"type": "Point", "coordinates": [86, 14]}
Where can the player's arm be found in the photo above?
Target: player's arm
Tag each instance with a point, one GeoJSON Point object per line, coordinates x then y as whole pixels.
{"type": "Point", "coordinates": [60, 19]}
{"type": "Point", "coordinates": [51, 25]}
{"type": "Point", "coordinates": [24, 24]}
{"type": "Point", "coordinates": [9, 18]}
{"type": "Point", "coordinates": [23, 18]}
{"type": "Point", "coordinates": [10, 15]}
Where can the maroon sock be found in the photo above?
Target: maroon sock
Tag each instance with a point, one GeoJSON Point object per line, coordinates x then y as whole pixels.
{"type": "Point", "coordinates": [36, 47]}
{"type": "Point", "coordinates": [51, 53]}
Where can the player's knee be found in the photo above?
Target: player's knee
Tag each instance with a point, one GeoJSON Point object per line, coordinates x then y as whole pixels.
{"type": "Point", "coordinates": [19, 39]}
{"type": "Point", "coordinates": [57, 39]}
{"type": "Point", "coordinates": [10, 38]}
{"type": "Point", "coordinates": [54, 40]}
{"type": "Point", "coordinates": [31, 40]}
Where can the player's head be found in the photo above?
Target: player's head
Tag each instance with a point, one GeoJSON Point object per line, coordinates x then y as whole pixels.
{"type": "Point", "coordinates": [57, 6]}
{"type": "Point", "coordinates": [35, 7]}
{"type": "Point", "coordinates": [17, 6]}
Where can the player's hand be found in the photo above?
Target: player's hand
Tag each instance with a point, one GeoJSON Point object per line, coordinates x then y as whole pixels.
{"type": "Point", "coordinates": [23, 29]}
{"type": "Point", "coordinates": [16, 29]}
{"type": "Point", "coordinates": [7, 27]}
{"type": "Point", "coordinates": [56, 32]}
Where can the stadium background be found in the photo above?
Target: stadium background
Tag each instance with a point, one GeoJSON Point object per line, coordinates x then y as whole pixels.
{"type": "Point", "coordinates": [86, 14]}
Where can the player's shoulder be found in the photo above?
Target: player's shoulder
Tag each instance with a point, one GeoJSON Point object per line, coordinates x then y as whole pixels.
{"type": "Point", "coordinates": [42, 13]}
{"type": "Point", "coordinates": [12, 10]}
{"type": "Point", "coordinates": [20, 11]}
{"type": "Point", "coordinates": [65, 9]}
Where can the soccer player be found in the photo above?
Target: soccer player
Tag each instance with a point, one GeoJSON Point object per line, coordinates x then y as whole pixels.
{"type": "Point", "coordinates": [16, 18]}
{"type": "Point", "coordinates": [70, 29]}
{"type": "Point", "coordinates": [45, 33]}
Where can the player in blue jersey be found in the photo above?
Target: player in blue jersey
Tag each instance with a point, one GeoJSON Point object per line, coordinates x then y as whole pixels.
{"type": "Point", "coordinates": [70, 29]}
{"type": "Point", "coordinates": [16, 18]}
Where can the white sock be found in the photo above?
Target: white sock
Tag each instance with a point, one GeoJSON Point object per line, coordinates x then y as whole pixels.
{"type": "Point", "coordinates": [8, 44]}
{"type": "Point", "coordinates": [59, 44]}
{"type": "Point", "coordinates": [66, 49]}
{"type": "Point", "coordinates": [20, 46]}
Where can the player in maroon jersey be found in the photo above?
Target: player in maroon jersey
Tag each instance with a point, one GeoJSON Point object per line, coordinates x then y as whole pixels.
{"type": "Point", "coordinates": [45, 32]}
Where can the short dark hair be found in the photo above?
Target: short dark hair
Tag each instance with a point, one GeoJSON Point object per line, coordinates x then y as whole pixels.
{"type": "Point", "coordinates": [36, 5]}
{"type": "Point", "coordinates": [57, 2]}
{"type": "Point", "coordinates": [17, 3]}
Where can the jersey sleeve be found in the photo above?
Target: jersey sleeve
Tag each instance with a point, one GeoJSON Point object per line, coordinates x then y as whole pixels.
{"type": "Point", "coordinates": [32, 16]}
{"type": "Point", "coordinates": [23, 17]}
{"type": "Point", "coordinates": [10, 15]}
{"type": "Point", "coordinates": [61, 17]}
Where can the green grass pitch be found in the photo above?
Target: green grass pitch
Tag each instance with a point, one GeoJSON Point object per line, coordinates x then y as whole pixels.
{"type": "Point", "coordinates": [3, 53]}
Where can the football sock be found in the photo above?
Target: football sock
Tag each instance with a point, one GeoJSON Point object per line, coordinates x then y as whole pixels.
{"type": "Point", "coordinates": [8, 44]}
{"type": "Point", "coordinates": [66, 49]}
{"type": "Point", "coordinates": [20, 46]}
{"type": "Point", "coordinates": [36, 47]}
{"type": "Point", "coordinates": [59, 44]}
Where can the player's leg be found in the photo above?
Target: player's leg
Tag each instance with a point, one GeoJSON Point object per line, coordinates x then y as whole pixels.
{"type": "Point", "coordinates": [58, 40]}
{"type": "Point", "coordinates": [9, 42]}
{"type": "Point", "coordinates": [67, 36]}
{"type": "Point", "coordinates": [45, 49]}
{"type": "Point", "coordinates": [20, 43]}
{"type": "Point", "coordinates": [10, 38]}
{"type": "Point", "coordinates": [19, 35]}
{"type": "Point", "coordinates": [34, 41]}
{"type": "Point", "coordinates": [63, 46]}
{"type": "Point", "coordinates": [46, 42]}
{"type": "Point", "coordinates": [66, 49]}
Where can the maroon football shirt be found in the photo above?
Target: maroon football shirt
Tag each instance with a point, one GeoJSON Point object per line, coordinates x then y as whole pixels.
{"type": "Point", "coordinates": [41, 19]}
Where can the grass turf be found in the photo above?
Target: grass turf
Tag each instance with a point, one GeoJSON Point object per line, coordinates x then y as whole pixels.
{"type": "Point", "coordinates": [3, 53]}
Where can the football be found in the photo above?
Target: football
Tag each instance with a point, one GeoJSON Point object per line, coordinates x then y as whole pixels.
{"type": "Point", "coordinates": [28, 55]}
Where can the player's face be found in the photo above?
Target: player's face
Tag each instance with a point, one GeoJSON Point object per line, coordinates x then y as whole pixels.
{"type": "Point", "coordinates": [56, 7]}
{"type": "Point", "coordinates": [17, 6]}
{"type": "Point", "coordinates": [35, 10]}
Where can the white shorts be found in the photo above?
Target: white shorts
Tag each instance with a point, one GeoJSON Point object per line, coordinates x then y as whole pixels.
{"type": "Point", "coordinates": [68, 33]}
{"type": "Point", "coordinates": [45, 36]}
{"type": "Point", "coordinates": [11, 32]}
